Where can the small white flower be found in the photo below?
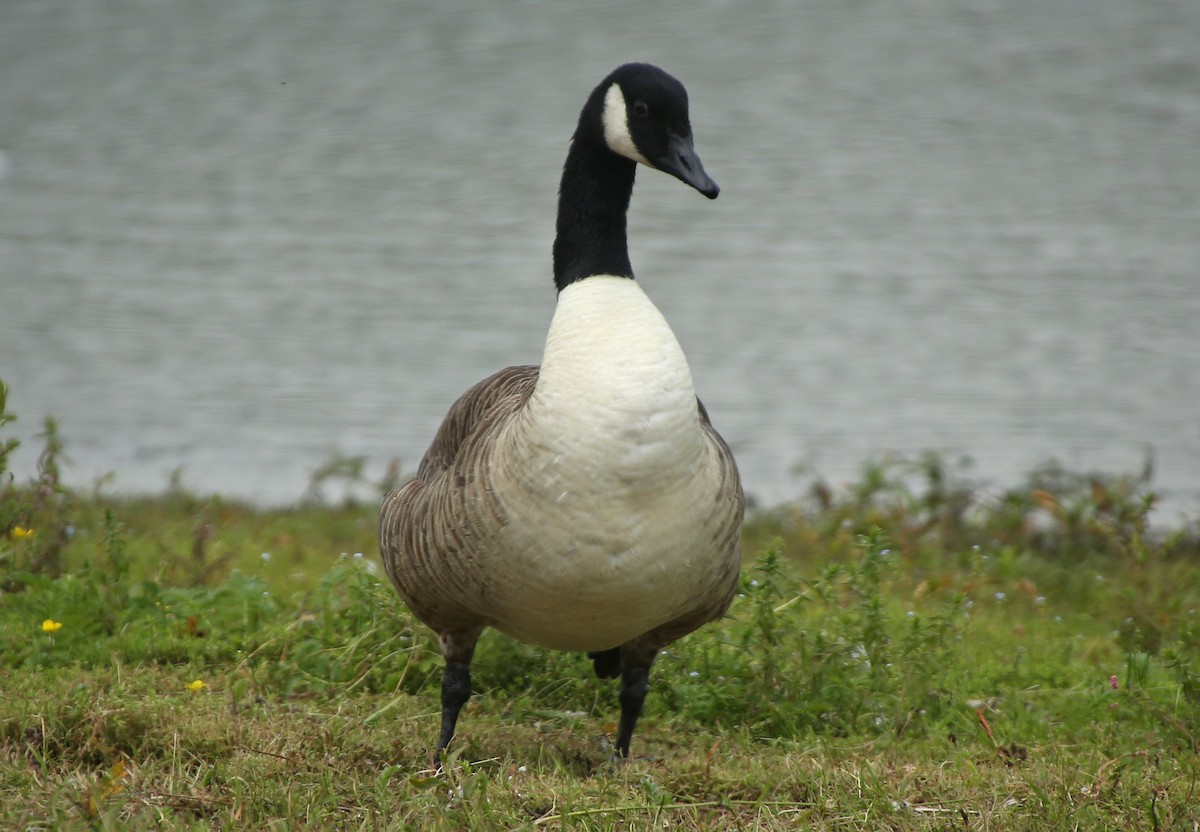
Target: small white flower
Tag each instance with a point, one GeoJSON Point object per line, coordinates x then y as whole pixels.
{"type": "Point", "coordinates": [266, 556]}
{"type": "Point", "coordinates": [1000, 596]}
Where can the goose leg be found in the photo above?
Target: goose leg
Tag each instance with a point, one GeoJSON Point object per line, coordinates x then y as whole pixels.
{"type": "Point", "coordinates": [636, 658]}
{"type": "Point", "coordinates": [607, 663]}
{"type": "Point", "coordinates": [456, 690]}
{"type": "Point", "coordinates": [635, 681]}
{"type": "Point", "coordinates": [458, 648]}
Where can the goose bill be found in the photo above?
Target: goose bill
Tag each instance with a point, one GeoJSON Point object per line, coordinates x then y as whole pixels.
{"type": "Point", "coordinates": [681, 161]}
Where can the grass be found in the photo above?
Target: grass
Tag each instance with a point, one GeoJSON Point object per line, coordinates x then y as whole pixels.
{"type": "Point", "coordinates": [910, 652]}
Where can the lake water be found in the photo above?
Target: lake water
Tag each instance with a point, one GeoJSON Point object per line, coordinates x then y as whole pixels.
{"type": "Point", "coordinates": [238, 236]}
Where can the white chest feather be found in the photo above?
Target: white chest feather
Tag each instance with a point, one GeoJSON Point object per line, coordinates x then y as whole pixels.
{"type": "Point", "coordinates": [615, 393]}
{"type": "Point", "coordinates": [609, 480]}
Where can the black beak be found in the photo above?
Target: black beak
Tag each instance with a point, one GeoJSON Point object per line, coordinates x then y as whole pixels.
{"type": "Point", "coordinates": [681, 161]}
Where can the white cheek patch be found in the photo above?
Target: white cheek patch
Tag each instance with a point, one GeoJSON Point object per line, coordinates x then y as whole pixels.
{"type": "Point", "coordinates": [616, 126]}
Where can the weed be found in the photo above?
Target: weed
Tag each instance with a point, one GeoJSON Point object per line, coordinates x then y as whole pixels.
{"type": "Point", "coordinates": [908, 653]}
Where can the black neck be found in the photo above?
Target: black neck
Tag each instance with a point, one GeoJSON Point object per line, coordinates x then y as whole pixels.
{"type": "Point", "coordinates": [593, 199]}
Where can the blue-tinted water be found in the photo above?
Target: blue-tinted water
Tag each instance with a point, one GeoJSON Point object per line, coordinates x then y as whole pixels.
{"type": "Point", "coordinates": [240, 235]}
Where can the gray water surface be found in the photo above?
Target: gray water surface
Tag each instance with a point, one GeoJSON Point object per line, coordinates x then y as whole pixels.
{"type": "Point", "coordinates": [240, 235]}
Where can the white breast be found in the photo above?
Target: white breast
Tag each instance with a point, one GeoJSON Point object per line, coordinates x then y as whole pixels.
{"type": "Point", "coordinates": [607, 480]}
{"type": "Point", "coordinates": [615, 390]}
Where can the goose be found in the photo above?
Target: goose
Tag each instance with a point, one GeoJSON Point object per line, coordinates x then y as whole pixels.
{"type": "Point", "coordinates": [587, 504]}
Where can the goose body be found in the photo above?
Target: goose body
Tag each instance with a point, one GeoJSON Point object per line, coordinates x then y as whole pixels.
{"type": "Point", "coordinates": [587, 504]}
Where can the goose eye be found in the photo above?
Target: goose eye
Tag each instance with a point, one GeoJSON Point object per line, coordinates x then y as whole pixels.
{"type": "Point", "coordinates": [641, 108]}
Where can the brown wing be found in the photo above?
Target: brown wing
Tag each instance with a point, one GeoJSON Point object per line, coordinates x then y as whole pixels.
{"type": "Point", "coordinates": [495, 398]}
{"type": "Point", "coordinates": [419, 538]}
{"type": "Point", "coordinates": [731, 482]}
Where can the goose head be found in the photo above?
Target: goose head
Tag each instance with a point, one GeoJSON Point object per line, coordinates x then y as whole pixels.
{"type": "Point", "coordinates": [643, 116]}
{"type": "Point", "coordinates": [638, 115]}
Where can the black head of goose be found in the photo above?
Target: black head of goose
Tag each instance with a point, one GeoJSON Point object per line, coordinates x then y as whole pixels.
{"type": "Point", "coordinates": [587, 504]}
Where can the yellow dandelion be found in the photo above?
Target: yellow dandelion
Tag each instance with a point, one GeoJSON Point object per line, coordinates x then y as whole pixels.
{"type": "Point", "coordinates": [51, 626]}
{"type": "Point", "coordinates": [19, 533]}
{"type": "Point", "coordinates": [196, 684]}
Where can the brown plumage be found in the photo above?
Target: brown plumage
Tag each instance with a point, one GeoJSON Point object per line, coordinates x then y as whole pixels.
{"type": "Point", "coordinates": [421, 531]}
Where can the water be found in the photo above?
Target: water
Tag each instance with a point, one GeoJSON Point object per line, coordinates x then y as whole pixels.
{"type": "Point", "coordinates": [238, 236]}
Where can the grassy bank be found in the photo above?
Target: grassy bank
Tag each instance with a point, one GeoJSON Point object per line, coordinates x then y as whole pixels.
{"type": "Point", "coordinates": [909, 652]}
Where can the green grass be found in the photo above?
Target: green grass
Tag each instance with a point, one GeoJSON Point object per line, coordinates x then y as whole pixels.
{"type": "Point", "coordinates": [909, 653]}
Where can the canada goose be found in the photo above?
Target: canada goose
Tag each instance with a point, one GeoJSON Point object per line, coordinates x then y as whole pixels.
{"type": "Point", "coordinates": [587, 504]}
